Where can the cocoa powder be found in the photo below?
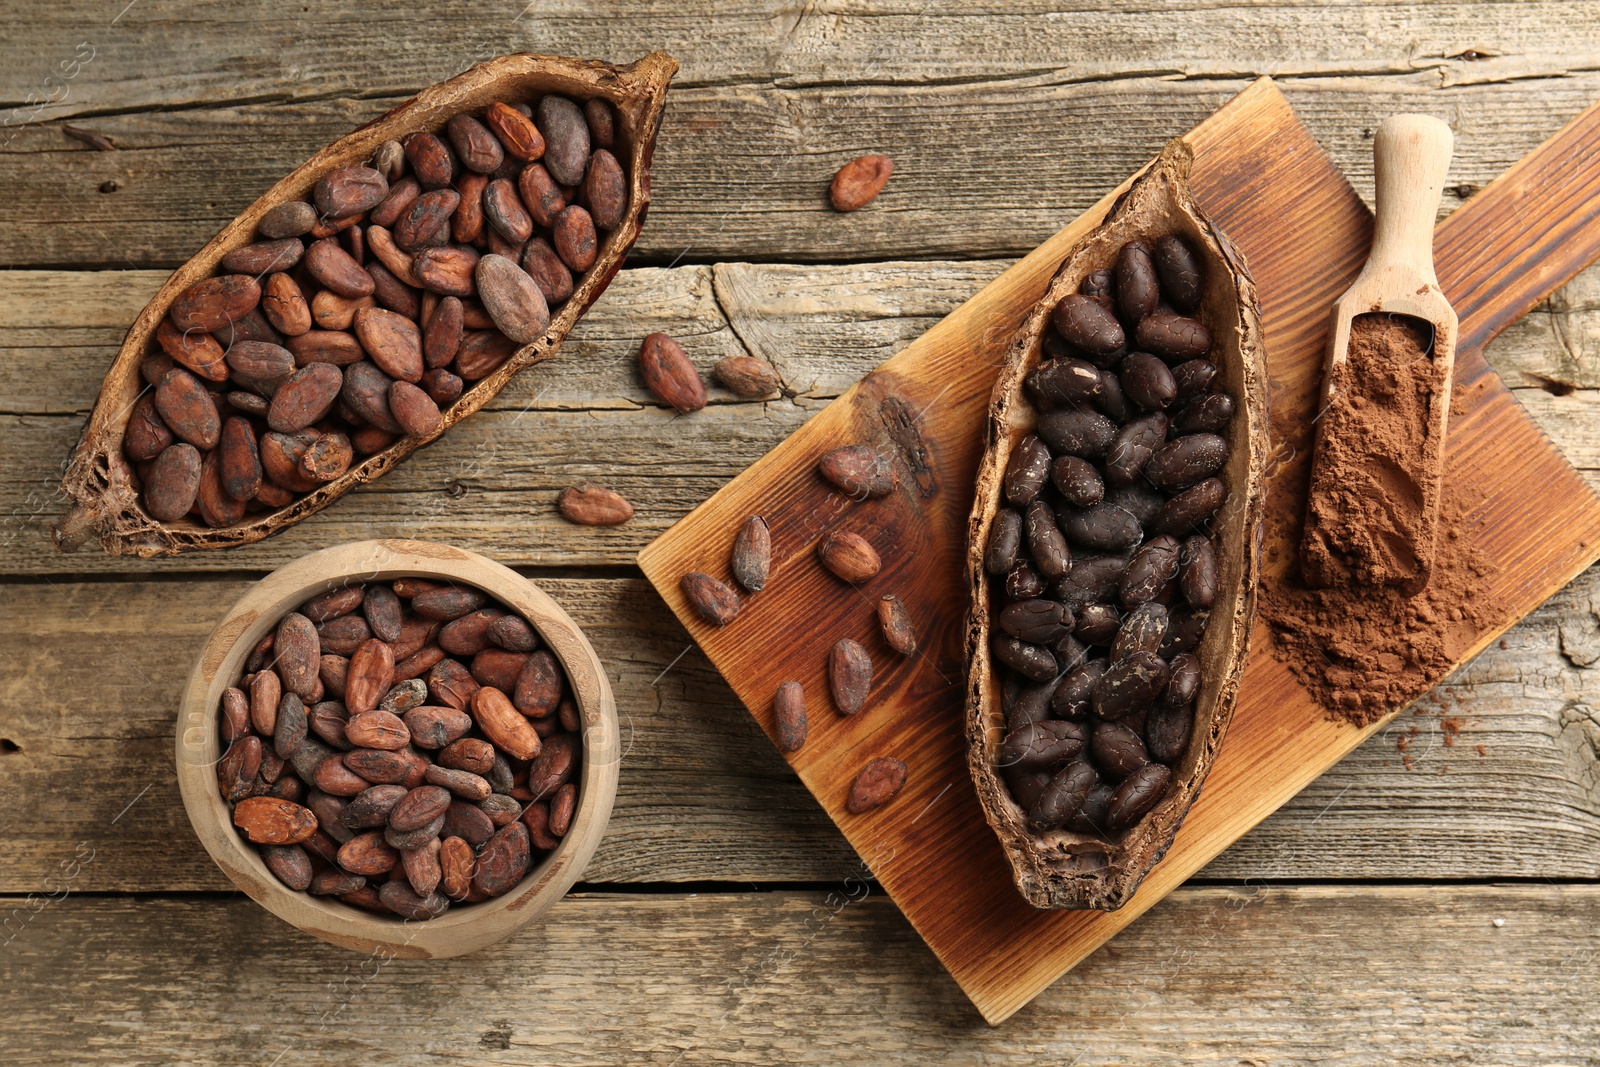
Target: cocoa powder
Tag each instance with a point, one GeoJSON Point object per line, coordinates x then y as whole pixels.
{"type": "Point", "coordinates": [1364, 650]}
{"type": "Point", "coordinates": [1366, 523]}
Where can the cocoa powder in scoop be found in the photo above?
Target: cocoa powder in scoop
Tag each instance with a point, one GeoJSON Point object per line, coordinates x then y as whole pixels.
{"type": "Point", "coordinates": [1366, 515]}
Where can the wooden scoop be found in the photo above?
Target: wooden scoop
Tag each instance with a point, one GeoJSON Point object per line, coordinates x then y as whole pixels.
{"type": "Point", "coordinates": [1374, 502]}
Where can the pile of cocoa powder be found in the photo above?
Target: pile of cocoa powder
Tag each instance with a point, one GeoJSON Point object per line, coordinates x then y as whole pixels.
{"type": "Point", "coordinates": [1363, 648]}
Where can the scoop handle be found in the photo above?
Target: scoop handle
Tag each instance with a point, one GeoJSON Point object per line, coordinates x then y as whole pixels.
{"type": "Point", "coordinates": [1410, 156]}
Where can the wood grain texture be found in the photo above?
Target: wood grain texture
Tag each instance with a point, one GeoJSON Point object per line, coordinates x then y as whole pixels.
{"type": "Point", "coordinates": [94, 672]}
{"type": "Point", "coordinates": [1266, 184]}
{"type": "Point", "coordinates": [741, 171]}
{"type": "Point", "coordinates": [1343, 976]}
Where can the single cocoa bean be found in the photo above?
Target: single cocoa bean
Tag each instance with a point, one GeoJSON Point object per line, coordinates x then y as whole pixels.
{"type": "Point", "coordinates": [879, 781]}
{"type": "Point", "coordinates": [859, 182]}
{"type": "Point", "coordinates": [849, 676]}
{"type": "Point", "coordinates": [789, 715]}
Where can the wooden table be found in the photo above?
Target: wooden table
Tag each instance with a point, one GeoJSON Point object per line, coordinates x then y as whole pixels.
{"type": "Point", "coordinates": [1433, 899]}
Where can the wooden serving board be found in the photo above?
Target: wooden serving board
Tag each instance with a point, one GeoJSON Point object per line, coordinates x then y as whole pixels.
{"type": "Point", "coordinates": [1271, 188]}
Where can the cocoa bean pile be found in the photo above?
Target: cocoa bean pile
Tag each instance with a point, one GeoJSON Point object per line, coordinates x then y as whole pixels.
{"type": "Point", "coordinates": [359, 316]}
{"type": "Point", "coordinates": [400, 746]}
{"type": "Point", "coordinates": [1101, 564]}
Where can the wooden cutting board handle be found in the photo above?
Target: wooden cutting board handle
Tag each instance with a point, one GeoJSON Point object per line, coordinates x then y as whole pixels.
{"type": "Point", "coordinates": [1410, 155]}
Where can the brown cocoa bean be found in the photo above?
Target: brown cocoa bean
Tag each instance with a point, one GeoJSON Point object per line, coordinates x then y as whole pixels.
{"type": "Point", "coordinates": [347, 191]}
{"type": "Point", "coordinates": [342, 636]}
{"type": "Point", "coordinates": [414, 409]}
{"type": "Point", "coordinates": [391, 294]}
{"type": "Point", "coordinates": [426, 223]}
{"type": "Point", "coordinates": [469, 823]}
{"type": "Point", "coordinates": [370, 676]}
{"type": "Point", "coordinates": [574, 238]}
{"type": "Point", "coordinates": [442, 337]}
{"type": "Point", "coordinates": [517, 133]}
{"type": "Point", "coordinates": [895, 620]}
{"type": "Point", "coordinates": [601, 120]}
{"type": "Point", "coordinates": [172, 482]}
{"type": "Point", "coordinates": [327, 718]}
{"type": "Point", "coordinates": [503, 861]}
{"type": "Point", "coordinates": [447, 602]}
{"type": "Point", "coordinates": [431, 160]}
{"type": "Point", "coordinates": [503, 209]}
{"type": "Point", "coordinates": [1077, 431]}
{"type": "Point", "coordinates": [195, 351]}
{"type": "Point", "coordinates": [400, 196]}
{"type": "Point", "coordinates": [271, 821]}
{"type": "Point", "coordinates": [464, 784]}
{"type": "Point", "coordinates": [292, 218]}
{"type": "Point", "coordinates": [418, 808]}
{"type": "Point", "coordinates": [566, 138]}
{"type": "Point", "coordinates": [465, 636]}
{"type": "Point", "coordinates": [747, 376]}
{"type": "Point", "coordinates": [541, 263]}
{"type": "Point", "coordinates": [421, 866]}
{"type": "Point", "coordinates": [334, 603]}
{"type": "Point", "coordinates": [1206, 414]}
{"type": "Point", "coordinates": [448, 270]}
{"type": "Point", "coordinates": [335, 269]}
{"type": "Point", "coordinates": [452, 685]}
{"type": "Point", "coordinates": [538, 690]}
{"type": "Point", "coordinates": [512, 298]}
{"type": "Point", "coordinates": [377, 729]}
{"type": "Point", "coordinates": [328, 457]}
{"type": "Point", "coordinates": [591, 505]}
{"type": "Point", "coordinates": [554, 765]}
{"type": "Point", "coordinates": [605, 190]}
{"type": "Point", "coordinates": [325, 346]}
{"type": "Point", "coordinates": [146, 435]}
{"type": "Point", "coordinates": [263, 257]}
{"type": "Point", "coordinates": [435, 727]}
{"type": "Point", "coordinates": [215, 302]}
{"type": "Point", "coordinates": [266, 689]}
{"type": "Point", "coordinates": [562, 808]}
{"type": "Point", "coordinates": [859, 182]}
{"type": "Point", "coordinates": [859, 470]}
{"type": "Point", "coordinates": [366, 392]}
{"type": "Point", "coordinates": [392, 341]}
{"type": "Point", "coordinates": [849, 676]}
{"type": "Point", "coordinates": [849, 556]}
{"type": "Point", "coordinates": [368, 854]}
{"type": "Point", "coordinates": [188, 410]}
{"type": "Point", "coordinates": [260, 361]}
{"type": "Point", "coordinates": [235, 714]}
{"type": "Point", "coordinates": [789, 714]}
{"type": "Point", "coordinates": [217, 508]}
{"type": "Point", "coordinates": [237, 769]}
{"type": "Point", "coordinates": [297, 655]}
{"type": "Point", "coordinates": [716, 602]}
{"type": "Point", "coordinates": [502, 724]}
{"type": "Point", "coordinates": [305, 397]}
{"type": "Point", "coordinates": [457, 865]}
{"type": "Point", "coordinates": [540, 194]}
{"type": "Point", "coordinates": [1197, 572]}
{"type": "Point", "coordinates": [669, 374]}
{"type": "Point", "coordinates": [379, 766]}
{"type": "Point", "coordinates": [751, 559]}
{"type": "Point", "coordinates": [481, 352]}
{"type": "Point", "coordinates": [877, 784]}
{"type": "Point", "coordinates": [475, 146]}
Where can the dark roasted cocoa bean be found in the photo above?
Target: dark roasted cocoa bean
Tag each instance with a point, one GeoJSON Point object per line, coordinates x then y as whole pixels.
{"type": "Point", "coordinates": [1141, 630]}
{"type": "Point", "coordinates": [1065, 380]}
{"type": "Point", "coordinates": [1187, 460]}
{"type": "Point", "coordinates": [1102, 528]}
{"type": "Point", "coordinates": [1078, 481]}
{"type": "Point", "coordinates": [849, 676]}
{"type": "Point", "coordinates": [1026, 472]}
{"type": "Point", "coordinates": [1042, 746]}
{"type": "Point", "coordinates": [1089, 325]}
{"type": "Point", "coordinates": [1184, 630]}
{"type": "Point", "coordinates": [1038, 622]}
{"type": "Point", "coordinates": [1026, 786]}
{"type": "Point", "coordinates": [1137, 795]}
{"type": "Point", "coordinates": [1023, 582]}
{"type": "Point", "coordinates": [1005, 541]}
{"type": "Point", "coordinates": [1151, 568]}
{"type": "Point", "coordinates": [1147, 381]}
{"type": "Point", "coordinates": [1168, 730]}
{"type": "Point", "coordinates": [1071, 697]}
{"type": "Point", "coordinates": [1092, 580]}
{"type": "Point", "coordinates": [1191, 509]}
{"type": "Point", "coordinates": [1117, 750]}
{"type": "Point", "coordinates": [1132, 448]}
{"type": "Point", "coordinates": [1096, 624]}
{"type": "Point", "coordinates": [1130, 684]}
{"type": "Point", "coordinates": [1030, 661]}
{"type": "Point", "coordinates": [1179, 271]}
{"type": "Point", "coordinates": [1205, 414]}
{"type": "Point", "coordinates": [1197, 572]}
{"type": "Point", "coordinates": [1077, 431]}
{"type": "Point", "coordinates": [1173, 337]}
{"type": "Point", "coordinates": [1091, 817]}
{"type": "Point", "coordinates": [1063, 797]}
{"type": "Point", "coordinates": [1138, 292]}
{"type": "Point", "coordinates": [1046, 543]}
{"type": "Point", "coordinates": [1184, 684]}
{"type": "Point", "coordinates": [1192, 378]}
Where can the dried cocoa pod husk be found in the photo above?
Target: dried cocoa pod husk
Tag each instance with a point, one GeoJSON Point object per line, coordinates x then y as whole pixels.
{"type": "Point", "coordinates": [100, 484]}
{"type": "Point", "coordinates": [1064, 868]}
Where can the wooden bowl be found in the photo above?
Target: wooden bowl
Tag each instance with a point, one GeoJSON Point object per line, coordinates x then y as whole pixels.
{"type": "Point", "coordinates": [462, 929]}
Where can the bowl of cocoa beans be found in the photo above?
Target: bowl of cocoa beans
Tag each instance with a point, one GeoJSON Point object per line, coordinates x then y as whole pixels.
{"type": "Point", "coordinates": [400, 747]}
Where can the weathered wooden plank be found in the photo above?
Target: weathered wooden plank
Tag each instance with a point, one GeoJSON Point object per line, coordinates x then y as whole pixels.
{"type": "Point", "coordinates": [92, 673]}
{"type": "Point", "coordinates": [586, 415]}
{"type": "Point", "coordinates": [167, 53]}
{"type": "Point", "coordinates": [1428, 975]}
{"type": "Point", "coordinates": [985, 168]}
